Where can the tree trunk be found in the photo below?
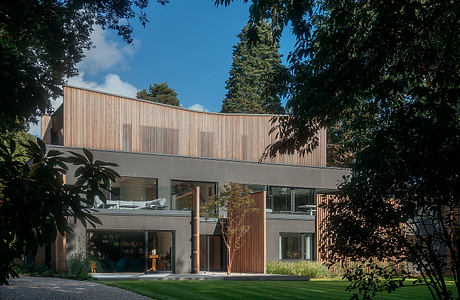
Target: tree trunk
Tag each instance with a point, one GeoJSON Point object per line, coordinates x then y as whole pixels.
{"type": "Point", "coordinates": [229, 262]}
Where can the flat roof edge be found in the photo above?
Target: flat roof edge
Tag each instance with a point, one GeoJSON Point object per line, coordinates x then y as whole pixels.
{"type": "Point", "coordinates": [199, 158]}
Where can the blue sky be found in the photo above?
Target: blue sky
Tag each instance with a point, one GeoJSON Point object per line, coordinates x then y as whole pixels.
{"type": "Point", "coordinates": [187, 44]}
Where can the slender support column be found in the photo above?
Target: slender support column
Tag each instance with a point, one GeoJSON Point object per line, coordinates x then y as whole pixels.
{"type": "Point", "coordinates": [146, 250]}
{"type": "Point", "coordinates": [60, 250]}
{"type": "Point", "coordinates": [196, 230]}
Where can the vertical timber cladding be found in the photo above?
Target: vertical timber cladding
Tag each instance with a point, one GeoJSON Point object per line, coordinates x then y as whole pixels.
{"type": "Point", "coordinates": [251, 257]}
{"type": "Point", "coordinates": [196, 230]}
{"type": "Point", "coordinates": [321, 214]}
{"type": "Point", "coordinates": [102, 121]}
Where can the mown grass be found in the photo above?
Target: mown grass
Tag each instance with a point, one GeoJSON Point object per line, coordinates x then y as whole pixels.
{"type": "Point", "coordinates": [207, 289]}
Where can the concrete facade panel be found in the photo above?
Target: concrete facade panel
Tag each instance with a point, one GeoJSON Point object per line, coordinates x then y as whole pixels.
{"type": "Point", "coordinates": [277, 226]}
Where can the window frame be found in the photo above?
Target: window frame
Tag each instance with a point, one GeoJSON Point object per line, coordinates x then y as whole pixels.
{"type": "Point", "coordinates": [216, 189]}
{"type": "Point", "coordinates": [303, 246]}
{"type": "Point", "coordinates": [293, 211]}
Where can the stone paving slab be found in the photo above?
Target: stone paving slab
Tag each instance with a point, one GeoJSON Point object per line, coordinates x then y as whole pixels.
{"type": "Point", "coordinates": [32, 288]}
{"type": "Point", "coordinates": [202, 276]}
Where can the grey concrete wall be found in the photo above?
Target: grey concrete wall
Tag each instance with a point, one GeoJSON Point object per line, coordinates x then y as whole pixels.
{"type": "Point", "coordinates": [167, 167]}
{"type": "Point", "coordinates": [76, 242]}
{"type": "Point", "coordinates": [278, 225]}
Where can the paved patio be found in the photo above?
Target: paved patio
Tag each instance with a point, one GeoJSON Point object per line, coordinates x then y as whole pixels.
{"type": "Point", "coordinates": [201, 276]}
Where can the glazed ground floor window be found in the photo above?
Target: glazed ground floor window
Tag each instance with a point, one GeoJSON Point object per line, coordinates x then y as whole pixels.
{"type": "Point", "coordinates": [296, 246]}
{"type": "Point", "coordinates": [131, 250]}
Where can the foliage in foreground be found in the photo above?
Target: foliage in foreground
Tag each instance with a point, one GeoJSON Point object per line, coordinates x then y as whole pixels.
{"type": "Point", "coordinates": [36, 204]}
{"type": "Point", "coordinates": [42, 41]}
{"type": "Point", "coordinates": [385, 74]}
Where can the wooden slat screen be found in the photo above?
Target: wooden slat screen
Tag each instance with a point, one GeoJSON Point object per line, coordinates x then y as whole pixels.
{"type": "Point", "coordinates": [251, 257]}
{"type": "Point", "coordinates": [102, 121]}
{"type": "Point", "coordinates": [321, 214]}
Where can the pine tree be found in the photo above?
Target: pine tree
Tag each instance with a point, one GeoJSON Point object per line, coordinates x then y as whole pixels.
{"type": "Point", "coordinates": [159, 92]}
{"type": "Point", "coordinates": [257, 78]}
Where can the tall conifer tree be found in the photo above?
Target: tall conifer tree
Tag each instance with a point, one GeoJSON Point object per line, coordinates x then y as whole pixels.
{"type": "Point", "coordinates": [257, 78]}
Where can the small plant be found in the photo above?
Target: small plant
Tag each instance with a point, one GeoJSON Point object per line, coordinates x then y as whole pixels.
{"type": "Point", "coordinates": [33, 269]}
{"type": "Point", "coordinates": [80, 266]}
{"type": "Point", "coordinates": [231, 206]}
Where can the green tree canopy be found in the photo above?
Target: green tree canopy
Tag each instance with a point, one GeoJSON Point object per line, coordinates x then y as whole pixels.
{"type": "Point", "coordinates": [257, 78]}
{"type": "Point", "coordinates": [161, 93]}
{"type": "Point", "coordinates": [36, 204]}
{"type": "Point", "coordinates": [386, 73]}
{"type": "Point", "coordinates": [21, 138]}
{"type": "Point", "coordinates": [40, 44]}
{"type": "Point", "coordinates": [42, 41]}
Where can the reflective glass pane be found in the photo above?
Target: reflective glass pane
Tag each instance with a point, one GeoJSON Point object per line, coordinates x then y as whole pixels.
{"type": "Point", "coordinates": [132, 193]}
{"type": "Point", "coordinates": [281, 199]}
{"type": "Point", "coordinates": [308, 247]}
{"type": "Point", "coordinates": [290, 246]}
{"type": "Point", "coordinates": [181, 193]}
{"type": "Point", "coordinates": [305, 201]}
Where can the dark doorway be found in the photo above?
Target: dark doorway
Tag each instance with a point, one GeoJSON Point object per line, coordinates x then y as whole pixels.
{"type": "Point", "coordinates": [160, 246]}
{"type": "Point", "coordinates": [212, 253]}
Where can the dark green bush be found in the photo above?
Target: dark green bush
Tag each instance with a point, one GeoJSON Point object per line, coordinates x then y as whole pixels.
{"type": "Point", "coordinates": [79, 266]}
{"type": "Point", "coordinates": [33, 269]}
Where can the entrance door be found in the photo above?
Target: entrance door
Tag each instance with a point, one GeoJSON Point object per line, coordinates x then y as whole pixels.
{"type": "Point", "coordinates": [212, 253]}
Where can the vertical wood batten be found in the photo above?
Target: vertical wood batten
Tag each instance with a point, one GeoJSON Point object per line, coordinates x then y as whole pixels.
{"type": "Point", "coordinates": [196, 230]}
{"type": "Point", "coordinates": [251, 257]}
{"type": "Point", "coordinates": [96, 120]}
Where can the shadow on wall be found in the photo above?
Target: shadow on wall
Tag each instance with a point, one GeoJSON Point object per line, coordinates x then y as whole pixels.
{"type": "Point", "coordinates": [75, 244]}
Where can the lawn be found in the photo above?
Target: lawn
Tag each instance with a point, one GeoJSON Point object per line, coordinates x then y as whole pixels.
{"type": "Point", "coordinates": [314, 289]}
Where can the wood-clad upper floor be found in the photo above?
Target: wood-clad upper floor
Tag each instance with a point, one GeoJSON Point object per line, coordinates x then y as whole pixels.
{"type": "Point", "coordinates": [99, 120]}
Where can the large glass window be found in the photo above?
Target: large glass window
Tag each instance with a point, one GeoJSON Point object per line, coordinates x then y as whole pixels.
{"type": "Point", "coordinates": [133, 193]}
{"type": "Point", "coordinates": [181, 193]}
{"type": "Point", "coordinates": [280, 199]}
{"type": "Point", "coordinates": [305, 201]}
{"type": "Point", "coordinates": [288, 200]}
{"type": "Point", "coordinates": [296, 246]}
{"type": "Point", "coordinates": [131, 251]}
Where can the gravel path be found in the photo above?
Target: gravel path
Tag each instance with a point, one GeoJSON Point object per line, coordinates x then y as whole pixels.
{"type": "Point", "coordinates": [57, 288]}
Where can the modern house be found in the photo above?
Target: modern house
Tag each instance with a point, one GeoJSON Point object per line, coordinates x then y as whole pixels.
{"type": "Point", "coordinates": [172, 159]}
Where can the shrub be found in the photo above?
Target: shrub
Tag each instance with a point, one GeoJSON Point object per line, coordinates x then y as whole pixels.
{"type": "Point", "coordinates": [33, 269]}
{"type": "Point", "coordinates": [299, 268]}
{"type": "Point", "coordinates": [79, 266]}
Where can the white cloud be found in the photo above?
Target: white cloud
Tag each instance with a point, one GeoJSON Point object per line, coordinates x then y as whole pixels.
{"type": "Point", "coordinates": [106, 54]}
{"type": "Point", "coordinates": [198, 107]}
{"type": "Point", "coordinates": [112, 84]}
